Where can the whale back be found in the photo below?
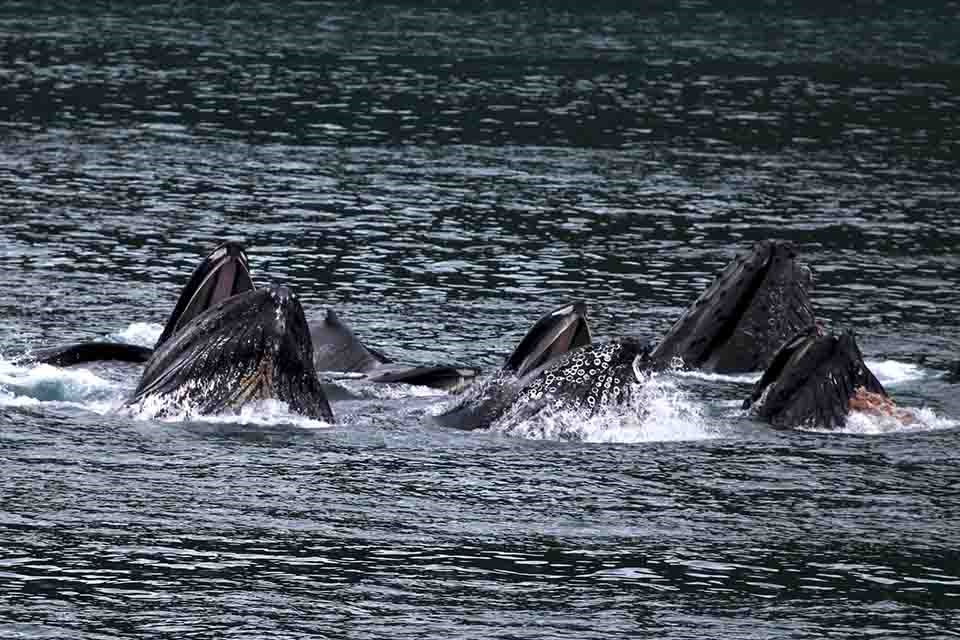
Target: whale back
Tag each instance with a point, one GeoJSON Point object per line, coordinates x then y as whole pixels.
{"type": "Point", "coordinates": [336, 348]}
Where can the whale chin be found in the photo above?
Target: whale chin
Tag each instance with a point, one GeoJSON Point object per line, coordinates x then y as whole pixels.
{"type": "Point", "coordinates": [251, 346]}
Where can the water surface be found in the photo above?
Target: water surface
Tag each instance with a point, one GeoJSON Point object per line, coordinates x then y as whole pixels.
{"type": "Point", "coordinates": [441, 174]}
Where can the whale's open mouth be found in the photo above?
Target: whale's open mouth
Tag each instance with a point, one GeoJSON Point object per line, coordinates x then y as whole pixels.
{"type": "Point", "coordinates": [743, 317]}
{"type": "Point", "coordinates": [556, 333]}
{"type": "Point", "coordinates": [224, 273]}
{"type": "Point", "coordinates": [252, 346]}
{"type": "Point", "coordinates": [811, 381]}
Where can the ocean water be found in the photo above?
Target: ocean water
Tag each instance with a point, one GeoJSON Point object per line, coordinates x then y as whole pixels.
{"type": "Point", "coordinates": [441, 174]}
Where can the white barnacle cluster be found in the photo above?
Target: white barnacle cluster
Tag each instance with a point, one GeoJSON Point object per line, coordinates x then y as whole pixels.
{"type": "Point", "coordinates": [586, 378]}
{"type": "Point", "coordinates": [607, 387]}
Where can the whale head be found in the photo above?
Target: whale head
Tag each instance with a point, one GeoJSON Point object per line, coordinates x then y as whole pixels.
{"type": "Point", "coordinates": [812, 381]}
{"type": "Point", "coordinates": [756, 303]}
{"type": "Point", "coordinates": [252, 346]}
{"type": "Point", "coordinates": [586, 379]}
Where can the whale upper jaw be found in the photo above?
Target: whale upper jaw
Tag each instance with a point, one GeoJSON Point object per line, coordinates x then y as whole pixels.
{"type": "Point", "coordinates": [252, 346]}
{"type": "Point", "coordinates": [223, 273]}
{"type": "Point", "coordinates": [737, 324]}
{"type": "Point", "coordinates": [556, 333]}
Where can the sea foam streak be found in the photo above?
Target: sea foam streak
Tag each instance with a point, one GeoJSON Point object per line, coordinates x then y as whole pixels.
{"type": "Point", "coordinates": [740, 378]}
{"type": "Point", "coordinates": [887, 371]}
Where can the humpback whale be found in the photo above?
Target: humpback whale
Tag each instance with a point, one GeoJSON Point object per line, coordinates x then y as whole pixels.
{"type": "Point", "coordinates": [337, 349]}
{"type": "Point", "coordinates": [737, 324]}
{"type": "Point", "coordinates": [254, 345]}
{"type": "Point", "coordinates": [815, 380]}
{"type": "Point", "coordinates": [553, 335]}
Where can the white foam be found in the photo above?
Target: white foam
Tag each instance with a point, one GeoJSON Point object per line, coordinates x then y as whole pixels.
{"type": "Point", "coordinates": [268, 413]}
{"type": "Point", "coordinates": [144, 334]}
{"type": "Point", "coordinates": [895, 372]}
{"type": "Point", "coordinates": [743, 378]}
{"type": "Point", "coordinates": [923, 419]}
{"type": "Point", "coordinates": [658, 411]}
{"type": "Point", "coordinates": [341, 375]}
{"type": "Point", "coordinates": [168, 408]}
{"type": "Point", "coordinates": [47, 383]}
{"type": "Point", "coordinates": [396, 391]}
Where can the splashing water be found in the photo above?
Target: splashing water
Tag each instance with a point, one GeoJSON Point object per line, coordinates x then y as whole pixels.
{"type": "Point", "coordinates": [658, 411]}
{"type": "Point", "coordinates": [176, 408]}
{"type": "Point", "coordinates": [740, 378]}
{"type": "Point", "coordinates": [144, 334]}
{"type": "Point", "coordinates": [894, 372]}
{"type": "Point", "coordinates": [923, 419]}
{"type": "Point", "coordinates": [47, 383]}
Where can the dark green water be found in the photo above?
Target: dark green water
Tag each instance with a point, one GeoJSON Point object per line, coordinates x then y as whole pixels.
{"type": "Point", "coordinates": [441, 174]}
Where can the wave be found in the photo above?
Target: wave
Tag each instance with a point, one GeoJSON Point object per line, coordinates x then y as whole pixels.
{"type": "Point", "coordinates": [45, 383]}
{"type": "Point", "coordinates": [893, 372]}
